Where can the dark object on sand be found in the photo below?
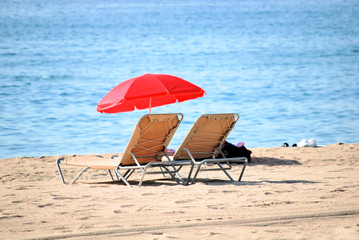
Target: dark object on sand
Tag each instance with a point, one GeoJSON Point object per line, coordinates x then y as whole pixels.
{"type": "Point", "coordinates": [229, 150]}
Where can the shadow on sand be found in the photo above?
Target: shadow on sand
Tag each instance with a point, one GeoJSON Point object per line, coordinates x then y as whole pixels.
{"type": "Point", "coordinates": [272, 161]}
{"type": "Point", "coordinates": [256, 161]}
{"type": "Point", "coordinates": [218, 182]}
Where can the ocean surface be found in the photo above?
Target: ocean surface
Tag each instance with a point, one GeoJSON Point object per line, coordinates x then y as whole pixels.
{"type": "Point", "coordinates": [290, 68]}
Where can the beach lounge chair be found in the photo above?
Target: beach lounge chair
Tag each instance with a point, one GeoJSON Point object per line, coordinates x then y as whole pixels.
{"type": "Point", "coordinates": [202, 145]}
{"type": "Point", "coordinates": [146, 148]}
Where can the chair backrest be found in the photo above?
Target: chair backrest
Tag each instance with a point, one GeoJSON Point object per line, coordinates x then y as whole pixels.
{"type": "Point", "coordinates": [206, 136]}
{"type": "Point", "coordinates": [151, 137]}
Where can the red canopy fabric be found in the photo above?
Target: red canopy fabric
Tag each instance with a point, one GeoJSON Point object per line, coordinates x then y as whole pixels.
{"type": "Point", "coordinates": [147, 91]}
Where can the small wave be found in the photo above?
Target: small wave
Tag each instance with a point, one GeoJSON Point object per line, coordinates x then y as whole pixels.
{"type": "Point", "coordinates": [8, 54]}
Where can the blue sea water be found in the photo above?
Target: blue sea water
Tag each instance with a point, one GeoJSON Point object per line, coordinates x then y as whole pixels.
{"type": "Point", "coordinates": [290, 68]}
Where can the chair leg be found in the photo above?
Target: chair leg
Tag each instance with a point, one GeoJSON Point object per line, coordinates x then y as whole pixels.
{"type": "Point", "coordinates": [229, 176]}
{"type": "Point", "coordinates": [173, 175]}
{"type": "Point", "coordinates": [142, 176]}
{"type": "Point", "coordinates": [195, 175]}
{"type": "Point", "coordinates": [179, 168]}
{"type": "Point", "coordinates": [122, 177]}
{"type": "Point", "coordinates": [163, 173]}
{"type": "Point", "coordinates": [178, 175]}
{"type": "Point", "coordinates": [128, 173]}
{"type": "Point", "coordinates": [79, 175]}
{"type": "Point", "coordinates": [242, 172]}
{"type": "Point", "coordinates": [114, 172]}
{"type": "Point", "coordinates": [109, 171]}
{"type": "Point", "coordinates": [58, 162]}
{"type": "Point", "coordinates": [176, 170]}
{"type": "Point", "coordinates": [144, 172]}
{"type": "Point", "coordinates": [189, 174]}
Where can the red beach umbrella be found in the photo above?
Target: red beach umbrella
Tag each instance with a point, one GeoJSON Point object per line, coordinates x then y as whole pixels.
{"type": "Point", "coordinates": [147, 91]}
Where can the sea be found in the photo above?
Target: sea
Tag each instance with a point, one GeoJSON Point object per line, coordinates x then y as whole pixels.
{"type": "Point", "coordinates": [290, 68]}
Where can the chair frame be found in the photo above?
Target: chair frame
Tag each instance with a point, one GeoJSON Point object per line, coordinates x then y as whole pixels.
{"type": "Point", "coordinates": [168, 166]}
{"type": "Point", "coordinates": [220, 162]}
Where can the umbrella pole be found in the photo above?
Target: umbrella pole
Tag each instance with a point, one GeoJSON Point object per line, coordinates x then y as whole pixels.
{"type": "Point", "coordinates": [149, 109]}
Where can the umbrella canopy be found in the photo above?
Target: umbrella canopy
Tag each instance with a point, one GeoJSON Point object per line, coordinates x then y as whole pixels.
{"type": "Point", "coordinates": [147, 91]}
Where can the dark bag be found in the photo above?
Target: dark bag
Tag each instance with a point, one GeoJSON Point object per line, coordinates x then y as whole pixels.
{"type": "Point", "coordinates": [229, 150]}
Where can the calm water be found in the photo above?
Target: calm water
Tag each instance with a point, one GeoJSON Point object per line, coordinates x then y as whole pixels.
{"type": "Point", "coordinates": [289, 68]}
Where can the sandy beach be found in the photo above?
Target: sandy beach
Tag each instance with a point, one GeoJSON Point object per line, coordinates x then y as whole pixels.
{"type": "Point", "coordinates": [286, 193]}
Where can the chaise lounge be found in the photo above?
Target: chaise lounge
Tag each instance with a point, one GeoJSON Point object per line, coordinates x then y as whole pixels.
{"type": "Point", "coordinates": [202, 145]}
{"type": "Point", "coordinates": [146, 149]}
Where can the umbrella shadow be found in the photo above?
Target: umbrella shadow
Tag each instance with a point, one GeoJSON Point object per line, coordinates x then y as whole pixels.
{"type": "Point", "coordinates": [272, 161]}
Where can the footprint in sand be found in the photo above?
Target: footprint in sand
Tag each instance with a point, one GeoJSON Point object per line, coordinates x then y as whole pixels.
{"type": "Point", "coordinates": [147, 194]}
{"type": "Point", "coordinates": [45, 205]}
{"type": "Point", "coordinates": [213, 233]}
{"type": "Point", "coordinates": [220, 206]}
{"type": "Point", "coordinates": [229, 191]}
{"type": "Point", "coordinates": [212, 206]}
{"type": "Point", "coordinates": [63, 198]}
{"type": "Point", "coordinates": [157, 233]}
{"type": "Point", "coordinates": [212, 191]}
{"type": "Point", "coordinates": [8, 216]}
{"type": "Point", "coordinates": [128, 205]}
{"type": "Point", "coordinates": [183, 201]}
{"type": "Point", "coordinates": [338, 190]}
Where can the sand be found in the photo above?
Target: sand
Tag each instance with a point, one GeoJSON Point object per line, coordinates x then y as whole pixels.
{"type": "Point", "coordinates": [286, 193]}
